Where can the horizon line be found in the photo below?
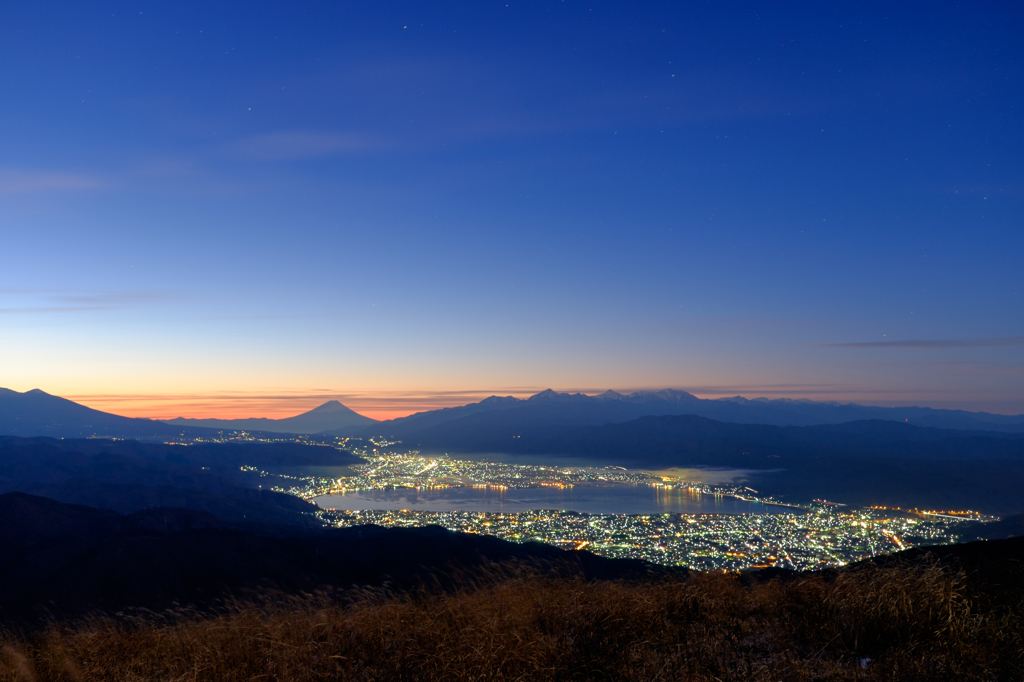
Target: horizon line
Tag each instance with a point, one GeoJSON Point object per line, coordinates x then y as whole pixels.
{"type": "Point", "coordinates": [384, 405]}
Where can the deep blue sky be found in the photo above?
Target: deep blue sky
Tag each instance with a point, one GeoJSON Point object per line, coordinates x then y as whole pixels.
{"type": "Point", "coordinates": [231, 208]}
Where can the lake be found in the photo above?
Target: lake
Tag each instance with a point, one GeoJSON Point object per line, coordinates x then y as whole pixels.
{"type": "Point", "coordinates": [621, 499]}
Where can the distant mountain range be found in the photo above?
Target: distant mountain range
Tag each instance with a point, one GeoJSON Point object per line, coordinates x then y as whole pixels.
{"type": "Point", "coordinates": [37, 413]}
{"type": "Point", "coordinates": [491, 424]}
{"type": "Point", "coordinates": [496, 423]}
{"type": "Point", "coordinates": [331, 416]}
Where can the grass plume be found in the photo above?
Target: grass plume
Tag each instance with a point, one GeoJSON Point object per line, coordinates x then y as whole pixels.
{"type": "Point", "coordinates": [916, 621]}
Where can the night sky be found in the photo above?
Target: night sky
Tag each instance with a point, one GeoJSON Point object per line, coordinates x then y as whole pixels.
{"type": "Point", "coordinates": [243, 209]}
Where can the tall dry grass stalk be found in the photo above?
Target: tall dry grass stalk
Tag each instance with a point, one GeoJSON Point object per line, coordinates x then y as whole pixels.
{"type": "Point", "coordinates": [910, 622]}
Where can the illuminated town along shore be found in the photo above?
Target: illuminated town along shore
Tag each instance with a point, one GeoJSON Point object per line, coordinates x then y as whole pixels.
{"type": "Point", "coordinates": [390, 471]}
{"type": "Point", "coordinates": [811, 536]}
{"type": "Point", "coordinates": [821, 537]}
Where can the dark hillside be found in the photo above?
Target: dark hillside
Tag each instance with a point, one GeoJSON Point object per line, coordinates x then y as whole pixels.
{"type": "Point", "coordinates": [69, 559]}
{"type": "Point", "coordinates": [1009, 527]}
{"type": "Point", "coordinates": [958, 614]}
{"type": "Point", "coordinates": [678, 439]}
{"type": "Point", "coordinates": [222, 457]}
{"type": "Point", "coordinates": [128, 476]}
{"type": "Point", "coordinates": [863, 463]}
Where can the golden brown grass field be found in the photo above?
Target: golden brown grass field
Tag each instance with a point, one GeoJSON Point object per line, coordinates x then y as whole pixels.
{"type": "Point", "coordinates": [912, 621]}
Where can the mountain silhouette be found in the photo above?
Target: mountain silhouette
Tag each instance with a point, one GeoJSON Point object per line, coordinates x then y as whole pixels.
{"type": "Point", "coordinates": [331, 417]}
{"type": "Point", "coordinates": [37, 413]}
{"type": "Point", "coordinates": [425, 420]}
{"type": "Point", "coordinates": [491, 422]}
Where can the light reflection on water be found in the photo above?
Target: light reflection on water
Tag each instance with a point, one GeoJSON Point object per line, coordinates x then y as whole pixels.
{"type": "Point", "coordinates": [708, 475]}
{"type": "Point", "coordinates": [623, 499]}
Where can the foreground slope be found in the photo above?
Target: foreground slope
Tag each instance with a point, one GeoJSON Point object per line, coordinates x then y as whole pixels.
{"type": "Point", "coordinates": [954, 612]}
{"type": "Point", "coordinates": [70, 559]}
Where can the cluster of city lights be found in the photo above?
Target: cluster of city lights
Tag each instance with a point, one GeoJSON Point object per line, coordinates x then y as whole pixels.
{"type": "Point", "coordinates": [822, 533]}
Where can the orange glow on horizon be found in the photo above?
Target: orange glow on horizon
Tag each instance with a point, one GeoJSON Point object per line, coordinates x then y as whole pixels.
{"type": "Point", "coordinates": [239, 406]}
{"type": "Point", "coordinates": [380, 404]}
{"type": "Point", "coordinates": [227, 410]}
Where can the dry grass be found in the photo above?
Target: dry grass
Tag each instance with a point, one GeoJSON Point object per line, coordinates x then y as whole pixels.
{"type": "Point", "coordinates": [912, 622]}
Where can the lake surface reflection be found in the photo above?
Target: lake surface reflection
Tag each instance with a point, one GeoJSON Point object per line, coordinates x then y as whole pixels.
{"type": "Point", "coordinates": [624, 499]}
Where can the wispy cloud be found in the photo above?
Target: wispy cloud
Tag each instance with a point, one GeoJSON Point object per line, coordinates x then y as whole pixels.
{"type": "Point", "coordinates": [20, 181]}
{"type": "Point", "coordinates": [929, 344]}
{"type": "Point", "coordinates": [297, 144]}
{"type": "Point", "coordinates": [28, 310]}
{"type": "Point", "coordinates": [20, 302]}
